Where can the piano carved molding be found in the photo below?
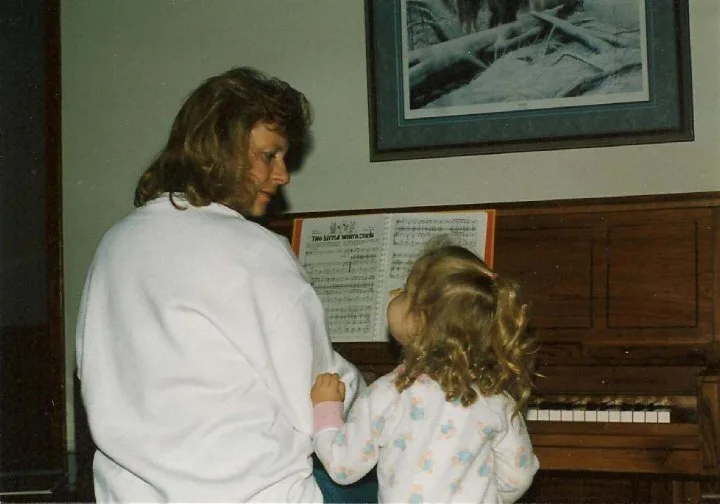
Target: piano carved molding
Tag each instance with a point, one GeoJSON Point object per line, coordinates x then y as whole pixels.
{"type": "Point", "coordinates": [625, 298]}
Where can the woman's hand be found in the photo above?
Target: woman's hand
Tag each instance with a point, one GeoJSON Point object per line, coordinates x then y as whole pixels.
{"type": "Point", "coordinates": [328, 387]}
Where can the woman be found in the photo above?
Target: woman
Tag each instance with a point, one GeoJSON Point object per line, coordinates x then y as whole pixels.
{"type": "Point", "coordinates": [199, 335]}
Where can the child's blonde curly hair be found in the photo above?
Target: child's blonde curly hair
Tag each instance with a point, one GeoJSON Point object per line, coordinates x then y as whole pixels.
{"type": "Point", "coordinates": [470, 335]}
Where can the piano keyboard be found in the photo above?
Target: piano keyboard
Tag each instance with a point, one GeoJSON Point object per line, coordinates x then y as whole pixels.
{"type": "Point", "coordinates": [541, 414]}
{"type": "Point", "coordinates": [638, 409]}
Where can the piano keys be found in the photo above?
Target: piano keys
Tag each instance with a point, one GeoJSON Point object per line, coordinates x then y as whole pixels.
{"type": "Point", "coordinates": [662, 410]}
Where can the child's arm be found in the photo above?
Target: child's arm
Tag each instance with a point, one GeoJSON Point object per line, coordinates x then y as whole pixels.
{"type": "Point", "coordinates": [515, 461]}
{"type": "Point", "coordinates": [347, 450]}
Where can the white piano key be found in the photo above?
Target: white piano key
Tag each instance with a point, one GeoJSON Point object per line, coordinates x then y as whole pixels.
{"type": "Point", "coordinates": [626, 416]}
{"type": "Point", "coordinates": [651, 416]}
{"type": "Point", "coordinates": [614, 416]}
{"type": "Point", "coordinates": [603, 416]}
{"type": "Point", "coordinates": [578, 415]}
{"type": "Point", "coordinates": [638, 417]}
{"type": "Point", "coordinates": [543, 415]}
{"type": "Point", "coordinates": [591, 416]}
{"type": "Point", "coordinates": [555, 415]}
{"type": "Point", "coordinates": [566, 415]}
{"type": "Point", "coordinates": [532, 415]}
{"type": "Point", "coordinates": [663, 416]}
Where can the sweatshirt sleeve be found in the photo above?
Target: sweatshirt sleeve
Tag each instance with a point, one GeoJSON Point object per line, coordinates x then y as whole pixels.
{"type": "Point", "coordinates": [296, 344]}
{"type": "Point", "coordinates": [300, 347]}
{"type": "Point", "coordinates": [325, 359]}
{"type": "Point", "coordinates": [349, 450]}
{"type": "Point", "coordinates": [515, 461]}
{"type": "Point", "coordinates": [349, 374]}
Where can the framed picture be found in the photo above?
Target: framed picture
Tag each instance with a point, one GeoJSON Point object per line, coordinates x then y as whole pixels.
{"type": "Point", "coordinates": [459, 77]}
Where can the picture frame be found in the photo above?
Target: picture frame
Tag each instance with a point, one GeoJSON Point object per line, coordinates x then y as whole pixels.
{"type": "Point", "coordinates": [412, 114]}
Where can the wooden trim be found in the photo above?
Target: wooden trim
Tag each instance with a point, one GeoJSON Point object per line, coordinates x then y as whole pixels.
{"type": "Point", "coordinates": [709, 422]}
{"type": "Point", "coordinates": [53, 224]}
{"type": "Point", "coordinates": [714, 353]}
{"type": "Point", "coordinates": [53, 197]}
{"type": "Point", "coordinates": [563, 206]}
{"type": "Point", "coordinates": [33, 350]}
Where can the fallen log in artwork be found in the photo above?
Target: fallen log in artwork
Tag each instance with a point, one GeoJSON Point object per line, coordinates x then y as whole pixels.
{"type": "Point", "coordinates": [560, 52]}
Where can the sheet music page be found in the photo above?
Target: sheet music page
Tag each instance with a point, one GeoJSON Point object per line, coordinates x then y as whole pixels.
{"type": "Point", "coordinates": [343, 258]}
{"type": "Point", "coordinates": [410, 233]}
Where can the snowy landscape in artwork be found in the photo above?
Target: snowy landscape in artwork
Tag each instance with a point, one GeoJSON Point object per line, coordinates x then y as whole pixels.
{"type": "Point", "coordinates": [463, 57]}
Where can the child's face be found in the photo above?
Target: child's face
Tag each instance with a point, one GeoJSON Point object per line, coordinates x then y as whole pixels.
{"type": "Point", "coordinates": [401, 322]}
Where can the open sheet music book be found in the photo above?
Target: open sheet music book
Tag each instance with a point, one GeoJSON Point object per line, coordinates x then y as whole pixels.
{"type": "Point", "coordinates": [355, 261]}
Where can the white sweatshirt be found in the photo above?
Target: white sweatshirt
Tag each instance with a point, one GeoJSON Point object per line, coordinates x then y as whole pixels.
{"type": "Point", "coordinates": [198, 340]}
{"type": "Point", "coordinates": [426, 448]}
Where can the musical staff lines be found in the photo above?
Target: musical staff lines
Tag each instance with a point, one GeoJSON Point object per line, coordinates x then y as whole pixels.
{"type": "Point", "coordinates": [354, 261]}
{"type": "Point", "coordinates": [343, 258]}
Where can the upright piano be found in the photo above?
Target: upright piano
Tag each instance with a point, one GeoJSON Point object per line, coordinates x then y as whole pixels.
{"type": "Point", "coordinates": [625, 298]}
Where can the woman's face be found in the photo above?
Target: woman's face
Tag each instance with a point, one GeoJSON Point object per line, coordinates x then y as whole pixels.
{"type": "Point", "coordinates": [266, 165]}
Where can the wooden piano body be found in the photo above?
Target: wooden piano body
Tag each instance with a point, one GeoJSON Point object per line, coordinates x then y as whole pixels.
{"type": "Point", "coordinates": [625, 296]}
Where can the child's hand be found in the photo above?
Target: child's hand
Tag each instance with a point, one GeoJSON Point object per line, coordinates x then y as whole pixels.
{"type": "Point", "coordinates": [328, 387]}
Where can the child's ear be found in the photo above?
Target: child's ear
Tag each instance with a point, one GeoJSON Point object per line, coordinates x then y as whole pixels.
{"type": "Point", "coordinates": [421, 320]}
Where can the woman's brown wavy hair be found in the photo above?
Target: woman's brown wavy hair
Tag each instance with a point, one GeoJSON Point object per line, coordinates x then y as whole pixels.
{"type": "Point", "coordinates": [205, 157]}
{"type": "Point", "coordinates": [471, 333]}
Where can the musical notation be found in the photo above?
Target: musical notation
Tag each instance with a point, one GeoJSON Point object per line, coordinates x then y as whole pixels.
{"type": "Point", "coordinates": [414, 232]}
{"type": "Point", "coordinates": [355, 261]}
{"type": "Point", "coordinates": [343, 258]}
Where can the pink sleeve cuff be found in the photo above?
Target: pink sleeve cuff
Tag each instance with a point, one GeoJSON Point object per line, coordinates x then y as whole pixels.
{"type": "Point", "coordinates": [327, 414]}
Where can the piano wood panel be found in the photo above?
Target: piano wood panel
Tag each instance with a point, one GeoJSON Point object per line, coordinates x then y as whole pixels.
{"type": "Point", "coordinates": [652, 275]}
{"type": "Point", "coordinates": [652, 461]}
{"type": "Point", "coordinates": [639, 277]}
{"type": "Point", "coordinates": [709, 413]}
{"type": "Point", "coordinates": [618, 379]}
{"type": "Point", "coordinates": [640, 448]}
{"type": "Point", "coordinates": [555, 265]}
{"type": "Point", "coordinates": [571, 487]}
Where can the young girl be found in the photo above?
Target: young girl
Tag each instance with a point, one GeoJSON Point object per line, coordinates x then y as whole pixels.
{"type": "Point", "coordinates": [445, 425]}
